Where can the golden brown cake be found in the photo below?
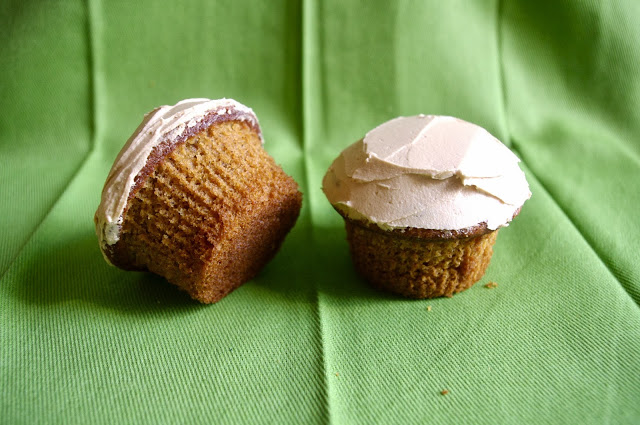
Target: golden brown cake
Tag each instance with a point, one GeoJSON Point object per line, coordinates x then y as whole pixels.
{"type": "Point", "coordinates": [423, 198]}
{"type": "Point", "coordinates": [194, 197]}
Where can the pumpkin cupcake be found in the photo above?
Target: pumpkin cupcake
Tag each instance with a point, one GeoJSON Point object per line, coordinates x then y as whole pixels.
{"type": "Point", "coordinates": [194, 197]}
{"type": "Point", "coordinates": [423, 198]}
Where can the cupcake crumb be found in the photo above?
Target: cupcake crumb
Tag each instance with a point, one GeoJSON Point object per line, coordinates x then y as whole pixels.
{"type": "Point", "coordinates": [444, 392]}
{"type": "Point", "coordinates": [491, 285]}
{"type": "Point", "coordinates": [428, 308]}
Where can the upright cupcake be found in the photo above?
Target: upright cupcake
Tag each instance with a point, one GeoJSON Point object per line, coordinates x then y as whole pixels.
{"type": "Point", "coordinates": [423, 198]}
{"type": "Point", "coordinates": [194, 197]}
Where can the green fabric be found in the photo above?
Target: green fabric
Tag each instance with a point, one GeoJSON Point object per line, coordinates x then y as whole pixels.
{"type": "Point", "coordinates": [307, 341]}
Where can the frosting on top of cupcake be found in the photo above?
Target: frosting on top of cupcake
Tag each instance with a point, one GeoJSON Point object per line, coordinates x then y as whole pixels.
{"type": "Point", "coordinates": [427, 172]}
{"type": "Point", "coordinates": [160, 130]}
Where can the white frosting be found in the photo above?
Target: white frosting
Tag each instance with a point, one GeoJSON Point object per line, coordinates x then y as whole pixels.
{"type": "Point", "coordinates": [164, 123]}
{"type": "Point", "coordinates": [427, 172]}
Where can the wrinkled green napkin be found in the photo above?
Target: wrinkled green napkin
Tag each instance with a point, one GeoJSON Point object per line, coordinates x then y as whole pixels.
{"type": "Point", "coordinates": [307, 341]}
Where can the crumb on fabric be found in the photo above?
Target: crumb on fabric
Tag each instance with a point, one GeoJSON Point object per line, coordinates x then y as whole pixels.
{"type": "Point", "coordinates": [491, 285]}
{"type": "Point", "coordinates": [444, 392]}
{"type": "Point", "coordinates": [428, 308]}
{"type": "Point", "coordinates": [337, 374]}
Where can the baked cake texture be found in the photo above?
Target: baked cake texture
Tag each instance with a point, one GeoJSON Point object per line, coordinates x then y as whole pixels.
{"type": "Point", "coordinates": [194, 197]}
{"type": "Point", "coordinates": [423, 198]}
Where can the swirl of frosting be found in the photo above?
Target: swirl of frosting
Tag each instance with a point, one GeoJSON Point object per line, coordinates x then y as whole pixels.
{"type": "Point", "coordinates": [160, 131]}
{"type": "Point", "coordinates": [427, 172]}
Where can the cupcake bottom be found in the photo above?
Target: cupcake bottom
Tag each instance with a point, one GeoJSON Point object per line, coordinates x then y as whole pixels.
{"type": "Point", "coordinates": [418, 267]}
{"type": "Point", "coordinates": [211, 215]}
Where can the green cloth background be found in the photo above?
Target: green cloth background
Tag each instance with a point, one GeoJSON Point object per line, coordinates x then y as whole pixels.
{"type": "Point", "coordinates": [307, 341]}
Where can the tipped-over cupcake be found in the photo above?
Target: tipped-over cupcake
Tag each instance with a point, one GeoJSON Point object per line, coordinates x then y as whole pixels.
{"type": "Point", "coordinates": [194, 197]}
{"type": "Point", "coordinates": [423, 198]}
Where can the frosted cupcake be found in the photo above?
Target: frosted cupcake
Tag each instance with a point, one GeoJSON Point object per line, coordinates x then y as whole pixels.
{"type": "Point", "coordinates": [194, 197]}
{"type": "Point", "coordinates": [423, 198]}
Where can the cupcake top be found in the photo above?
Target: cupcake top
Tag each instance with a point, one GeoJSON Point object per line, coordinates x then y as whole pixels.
{"type": "Point", "coordinates": [427, 172]}
{"type": "Point", "coordinates": [158, 134]}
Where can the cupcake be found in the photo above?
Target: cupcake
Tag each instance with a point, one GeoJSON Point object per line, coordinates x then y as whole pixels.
{"type": "Point", "coordinates": [194, 197]}
{"type": "Point", "coordinates": [423, 198]}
